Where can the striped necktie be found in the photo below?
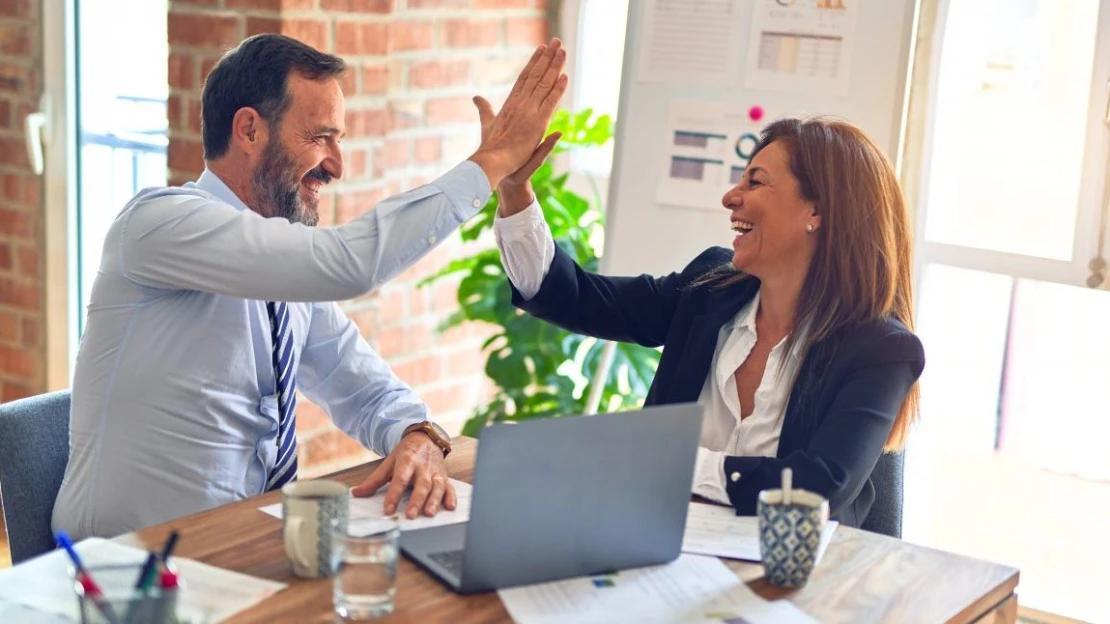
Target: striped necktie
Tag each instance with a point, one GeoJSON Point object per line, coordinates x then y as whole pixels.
{"type": "Point", "coordinates": [285, 468]}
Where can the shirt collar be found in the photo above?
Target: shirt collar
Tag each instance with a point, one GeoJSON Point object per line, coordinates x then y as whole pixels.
{"type": "Point", "coordinates": [209, 182]}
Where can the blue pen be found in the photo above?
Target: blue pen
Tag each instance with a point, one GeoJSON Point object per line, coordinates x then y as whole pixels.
{"type": "Point", "coordinates": [91, 589]}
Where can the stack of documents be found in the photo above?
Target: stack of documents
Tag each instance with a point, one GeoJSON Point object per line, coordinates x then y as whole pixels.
{"type": "Point", "coordinates": [41, 590]}
{"type": "Point", "coordinates": [693, 588]}
{"type": "Point", "coordinates": [716, 530]}
{"type": "Point", "coordinates": [366, 516]}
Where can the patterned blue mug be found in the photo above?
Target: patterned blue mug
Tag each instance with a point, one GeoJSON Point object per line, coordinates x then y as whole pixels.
{"type": "Point", "coordinates": [789, 534]}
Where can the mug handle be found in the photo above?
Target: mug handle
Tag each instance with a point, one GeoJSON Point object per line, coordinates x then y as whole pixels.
{"type": "Point", "coordinates": [293, 529]}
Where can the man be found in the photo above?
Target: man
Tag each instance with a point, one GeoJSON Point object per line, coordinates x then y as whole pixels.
{"type": "Point", "coordinates": [214, 302]}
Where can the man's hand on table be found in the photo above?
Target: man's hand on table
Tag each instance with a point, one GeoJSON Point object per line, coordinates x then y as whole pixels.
{"type": "Point", "coordinates": [415, 461]}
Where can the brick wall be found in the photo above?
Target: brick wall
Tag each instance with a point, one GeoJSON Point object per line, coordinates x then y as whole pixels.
{"type": "Point", "coordinates": [414, 66]}
{"type": "Point", "coordinates": [21, 232]}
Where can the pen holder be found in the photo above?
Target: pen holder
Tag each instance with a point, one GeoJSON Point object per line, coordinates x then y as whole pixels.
{"type": "Point", "coordinates": [119, 602]}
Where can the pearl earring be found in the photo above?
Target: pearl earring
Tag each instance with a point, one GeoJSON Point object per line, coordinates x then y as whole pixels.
{"type": "Point", "coordinates": [809, 227]}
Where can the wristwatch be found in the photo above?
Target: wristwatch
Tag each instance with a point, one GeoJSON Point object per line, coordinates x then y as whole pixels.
{"type": "Point", "coordinates": [433, 431]}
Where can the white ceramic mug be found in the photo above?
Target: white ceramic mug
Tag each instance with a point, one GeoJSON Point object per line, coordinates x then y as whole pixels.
{"type": "Point", "coordinates": [312, 510]}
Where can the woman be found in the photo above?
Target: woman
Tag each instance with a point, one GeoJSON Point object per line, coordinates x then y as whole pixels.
{"type": "Point", "coordinates": [798, 341]}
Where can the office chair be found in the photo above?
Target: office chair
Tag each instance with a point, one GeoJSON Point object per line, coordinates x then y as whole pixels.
{"type": "Point", "coordinates": [885, 516]}
{"type": "Point", "coordinates": [34, 450]}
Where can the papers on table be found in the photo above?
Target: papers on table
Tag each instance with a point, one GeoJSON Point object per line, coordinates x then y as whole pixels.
{"type": "Point", "coordinates": [692, 588]}
{"type": "Point", "coordinates": [366, 516]}
{"type": "Point", "coordinates": [716, 530]}
{"type": "Point", "coordinates": [43, 585]}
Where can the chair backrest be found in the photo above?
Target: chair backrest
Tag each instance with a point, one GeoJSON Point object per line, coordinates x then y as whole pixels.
{"type": "Point", "coordinates": [885, 516]}
{"type": "Point", "coordinates": [34, 449]}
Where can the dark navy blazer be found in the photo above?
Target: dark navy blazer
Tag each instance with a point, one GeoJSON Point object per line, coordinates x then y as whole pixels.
{"type": "Point", "coordinates": [847, 393]}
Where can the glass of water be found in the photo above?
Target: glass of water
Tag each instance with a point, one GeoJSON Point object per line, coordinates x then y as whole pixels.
{"type": "Point", "coordinates": [366, 580]}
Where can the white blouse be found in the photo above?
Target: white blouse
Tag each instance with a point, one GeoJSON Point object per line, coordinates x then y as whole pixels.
{"type": "Point", "coordinates": [527, 250]}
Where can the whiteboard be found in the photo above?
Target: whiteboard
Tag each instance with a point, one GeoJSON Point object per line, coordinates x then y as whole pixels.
{"type": "Point", "coordinates": [644, 235]}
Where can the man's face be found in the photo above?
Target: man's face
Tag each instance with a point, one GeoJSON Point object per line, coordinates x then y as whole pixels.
{"type": "Point", "coordinates": [303, 152]}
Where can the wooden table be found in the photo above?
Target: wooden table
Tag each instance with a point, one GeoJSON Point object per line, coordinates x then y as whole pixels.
{"type": "Point", "coordinates": [863, 577]}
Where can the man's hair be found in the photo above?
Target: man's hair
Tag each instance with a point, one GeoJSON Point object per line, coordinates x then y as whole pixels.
{"type": "Point", "coordinates": [255, 74]}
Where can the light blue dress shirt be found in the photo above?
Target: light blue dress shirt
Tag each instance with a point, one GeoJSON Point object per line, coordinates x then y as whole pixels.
{"type": "Point", "coordinates": [174, 399]}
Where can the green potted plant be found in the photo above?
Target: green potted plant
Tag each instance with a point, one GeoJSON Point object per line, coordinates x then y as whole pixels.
{"type": "Point", "coordinates": [538, 369]}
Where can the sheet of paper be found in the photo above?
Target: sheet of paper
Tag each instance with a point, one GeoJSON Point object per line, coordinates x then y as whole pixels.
{"type": "Point", "coordinates": [692, 588]}
{"type": "Point", "coordinates": [802, 46]}
{"type": "Point", "coordinates": [690, 42]}
{"type": "Point", "coordinates": [209, 594]}
{"type": "Point", "coordinates": [716, 530]}
{"type": "Point", "coordinates": [708, 146]}
{"type": "Point", "coordinates": [366, 516]}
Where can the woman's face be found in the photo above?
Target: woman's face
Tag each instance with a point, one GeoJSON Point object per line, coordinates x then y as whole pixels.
{"type": "Point", "coordinates": [770, 217]}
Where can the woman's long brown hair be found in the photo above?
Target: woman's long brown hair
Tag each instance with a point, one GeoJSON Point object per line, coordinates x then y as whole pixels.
{"type": "Point", "coordinates": [863, 266]}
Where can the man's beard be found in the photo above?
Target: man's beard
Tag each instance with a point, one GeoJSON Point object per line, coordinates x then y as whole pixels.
{"type": "Point", "coordinates": [277, 187]}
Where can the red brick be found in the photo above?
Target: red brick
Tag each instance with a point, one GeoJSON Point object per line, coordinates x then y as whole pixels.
{"type": "Point", "coordinates": [418, 301]}
{"type": "Point", "coordinates": [428, 150]}
{"type": "Point", "coordinates": [193, 116]}
{"type": "Point", "coordinates": [6, 115]}
{"type": "Point", "coordinates": [15, 8]}
{"type": "Point", "coordinates": [466, 362]}
{"type": "Point", "coordinates": [420, 371]}
{"type": "Point", "coordinates": [465, 33]}
{"type": "Point", "coordinates": [6, 256]}
{"type": "Point", "coordinates": [452, 109]}
{"type": "Point", "coordinates": [24, 295]}
{"type": "Point", "coordinates": [351, 204]}
{"type": "Point", "coordinates": [310, 417]}
{"type": "Point", "coordinates": [435, 74]}
{"type": "Point", "coordinates": [358, 6]}
{"type": "Point", "coordinates": [15, 78]}
{"type": "Point", "coordinates": [411, 35]}
{"type": "Point", "coordinates": [458, 396]}
{"type": "Point", "coordinates": [259, 25]}
{"type": "Point", "coordinates": [15, 39]}
{"type": "Point", "coordinates": [501, 4]}
{"type": "Point", "coordinates": [390, 342]}
{"type": "Point", "coordinates": [173, 111]}
{"type": "Point", "coordinates": [311, 32]}
{"type": "Point", "coordinates": [14, 391]}
{"type": "Point", "coordinates": [271, 5]}
{"type": "Point", "coordinates": [13, 152]}
{"type": "Point", "coordinates": [32, 332]}
{"type": "Point", "coordinates": [525, 30]}
{"type": "Point", "coordinates": [395, 154]}
{"type": "Point", "coordinates": [206, 66]}
{"type": "Point", "coordinates": [405, 114]}
{"type": "Point", "coordinates": [367, 123]}
{"type": "Point", "coordinates": [182, 71]}
{"type": "Point", "coordinates": [27, 261]}
{"type": "Point", "coordinates": [348, 82]}
{"type": "Point", "coordinates": [202, 3]}
{"type": "Point", "coordinates": [391, 306]}
{"type": "Point", "coordinates": [16, 224]}
{"type": "Point", "coordinates": [12, 187]}
{"type": "Point", "coordinates": [9, 326]}
{"type": "Point", "coordinates": [328, 446]}
{"type": "Point", "coordinates": [361, 38]}
{"type": "Point", "coordinates": [445, 296]}
{"type": "Point", "coordinates": [18, 362]}
{"type": "Point", "coordinates": [355, 164]}
{"type": "Point", "coordinates": [206, 31]}
{"type": "Point", "coordinates": [375, 79]}
{"type": "Point", "coordinates": [326, 210]}
{"type": "Point", "coordinates": [32, 191]}
{"type": "Point", "coordinates": [495, 71]}
{"type": "Point", "coordinates": [437, 4]}
{"type": "Point", "coordinates": [185, 155]}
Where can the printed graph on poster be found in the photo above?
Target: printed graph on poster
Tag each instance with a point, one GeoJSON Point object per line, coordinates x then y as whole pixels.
{"type": "Point", "coordinates": [708, 148]}
{"type": "Point", "coordinates": [802, 46]}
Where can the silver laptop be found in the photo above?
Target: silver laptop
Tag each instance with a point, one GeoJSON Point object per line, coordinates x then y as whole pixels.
{"type": "Point", "coordinates": [564, 497]}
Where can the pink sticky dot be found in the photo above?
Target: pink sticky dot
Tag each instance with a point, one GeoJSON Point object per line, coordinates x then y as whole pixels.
{"type": "Point", "coordinates": [756, 113]}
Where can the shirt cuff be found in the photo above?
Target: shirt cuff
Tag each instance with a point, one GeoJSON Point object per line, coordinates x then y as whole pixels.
{"type": "Point", "coordinates": [709, 475]}
{"type": "Point", "coordinates": [467, 188]}
{"type": "Point", "coordinates": [519, 225]}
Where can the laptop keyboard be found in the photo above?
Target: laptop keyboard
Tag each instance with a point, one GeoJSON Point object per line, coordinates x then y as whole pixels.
{"type": "Point", "coordinates": [451, 560]}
